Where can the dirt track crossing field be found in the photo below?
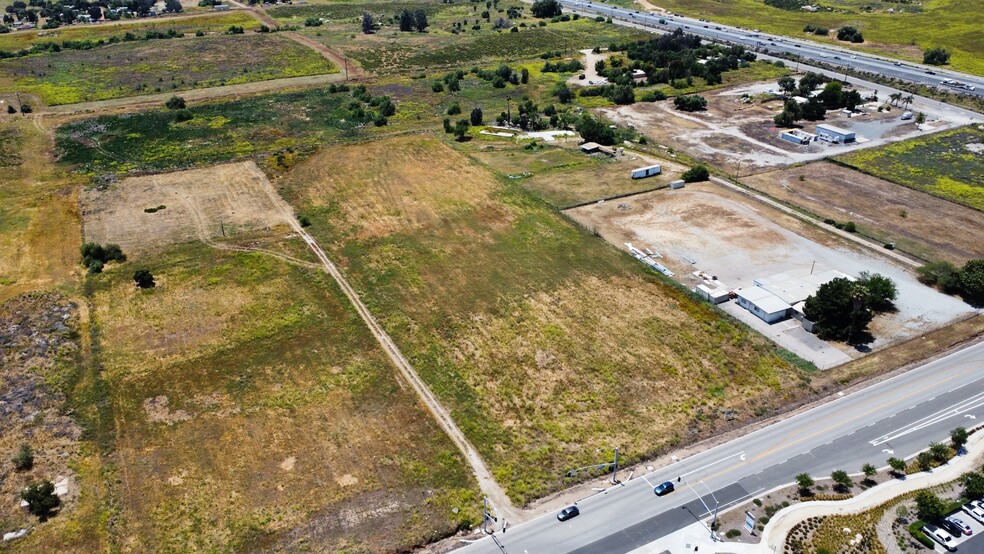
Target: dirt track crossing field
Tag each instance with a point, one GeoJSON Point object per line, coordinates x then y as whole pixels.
{"type": "Point", "coordinates": [199, 204]}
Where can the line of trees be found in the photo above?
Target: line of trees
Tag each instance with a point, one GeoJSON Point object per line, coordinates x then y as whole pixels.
{"type": "Point", "coordinates": [967, 281]}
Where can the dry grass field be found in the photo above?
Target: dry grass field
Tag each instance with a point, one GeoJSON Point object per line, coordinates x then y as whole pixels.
{"type": "Point", "coordinates": [39, 220]}
{"type": "Point", "coordinates": [918, 223]}
{"type": "Point", "coordinates": [488, 290]}
{"type": "Point", "coordinates": [564, 176]}
{"type": "Point", "coordinates": [210, 203]}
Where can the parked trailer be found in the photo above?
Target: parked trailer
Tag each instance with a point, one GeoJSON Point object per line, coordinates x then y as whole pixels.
{"type": "Point", "coordinates": [678, 184]}
{"type": "Point", "coordinates": [647, 171]}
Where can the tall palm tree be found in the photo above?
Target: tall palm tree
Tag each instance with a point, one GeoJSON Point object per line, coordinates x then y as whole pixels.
{"type": "Point", "coordinates": [859, 295]}
{"type": "Point", "coordinates": [895, 97]}
{"type": "Point", "coordinates": [908, 100]}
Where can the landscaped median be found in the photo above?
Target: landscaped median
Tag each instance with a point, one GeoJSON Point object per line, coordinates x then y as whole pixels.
{"type": "Point", "coordinates": [774, 536]}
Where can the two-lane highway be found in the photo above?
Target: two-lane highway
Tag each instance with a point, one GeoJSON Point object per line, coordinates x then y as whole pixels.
{"type": "Point", "coordinates": [896, 417]}
{"type": "Point", "coordinates": [807, 50]}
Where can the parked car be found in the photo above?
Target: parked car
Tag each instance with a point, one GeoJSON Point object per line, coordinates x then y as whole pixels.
{"type": "Point", "coordinates": [568, 513]}
{"type": "Point", "coordinates": [663, 488]}
{"type": "Point", "coordinates": [958, 526]}
{"type": "Point", "coordinates": [939, 535]}
{"type": "Point", "coordinates": [975, 511]}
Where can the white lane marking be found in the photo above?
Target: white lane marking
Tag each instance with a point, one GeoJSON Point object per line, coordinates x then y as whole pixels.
{"type": "Point", "coordinates": [971, 403]}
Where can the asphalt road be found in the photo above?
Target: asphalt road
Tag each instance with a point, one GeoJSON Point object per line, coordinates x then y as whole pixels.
{"type": "Point", "coordinates": [896, 417]}
{"type": "Point", "coordinates": [807, 50]}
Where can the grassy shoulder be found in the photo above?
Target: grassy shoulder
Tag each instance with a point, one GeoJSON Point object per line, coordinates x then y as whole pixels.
{"type": "Point", "coordinates": [906, 34]}
{"type": "Point", "coordinates": [252, 407]}
{"type": "Point", "coordinates": [144, 67]}
{"type": "Point", "coordinates": [948, 164]}
{"type": "Point", "coordinates": [488, 290]}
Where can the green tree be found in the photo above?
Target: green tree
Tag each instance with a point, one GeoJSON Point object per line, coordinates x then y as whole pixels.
{"type": "Point", "coordinates": [623, 94]}
{"type": "Point", "coordinates": [882, 292]}
{"type": "Point", "coordinates": [172, 6]}
{"type": "Point", "coordinates": [787, 84]}
{"type": "Point", "coordinates": [696, 174]}
{"type": "Point", "coordinates": [546, 8]}
{"type": "Point", "coordinates": [690, 103]}
{"type": "Point", "coordinates": [972, 281]}
{"type": "Point", "coordinates": [26, 108]}
{"type": "Point", "coordinates": [943, 275]}
{"type": "Point", "coordinates": [897, 465]}
{"type": "Point", "coordinates": [368, 23]}
{"type": "Point", "coordinates": [973, 483]}
{"type": "Point", "coordinates": [476, 116]}
{"type": "Point", "coordinates": [144, 279]}
{"type": "Point", "coordinates": [959, 437]}
{"type": "Point", "coordinates": [524, 76]}
{"type": "Point", "coordinates": [939, 451]}
{"type": "Point", "coordinates": [420, 21]}
{"type": "Point", "coordinates": [850, 33]}
{"type": "Point", "coordinates": [24, 459]}
{"type": "Point", "coordinates": [936, 56]}
{"type": "Point", "coordinates": [437, 86]}
{"type": "Point", "coordinates": [41, 499]}
{"type": "Point", "coordinates": [838, 310]}
{"type": "Point", "coordinates": [869, 470]}
{"type": "Point", "coordinates": [175, 103]}
{"type": "Point", "coordinates": [813, 110]}
{"type": "Point", "coordinates": [843, 480]}
{"type": "Point", "coordinates": [406, 21]}
{"type": "Point", "coordinates": [925, 461]}
{"type": "Point", "coordinates": [832, 95]}
{"type": "Point", "coordinates": [460, 129]}
{"type": "Point", "coordinates": [454, 109]}
{"type": "Point", "coordinates": [805, 483]}
{"type": "Point", "coordinates": [929, 506]}
{"type": "Point", "coordinates": [593, 130]}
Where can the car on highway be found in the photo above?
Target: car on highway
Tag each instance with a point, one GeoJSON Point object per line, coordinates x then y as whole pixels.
{"type": "Point", "coordinates": [939, 535]}
{"type": "Point", "coordinates": [837, 57]}
{"type": "Point", "coordinates": [899, 64]}
{"type": "Point", "coordinates": [718, 28]}
{"type": "Point", "coordinates": [663, 488]}
{"type": "Point", "coordinates": [930, 72]}
{"type": "Point", "coordinates": [956, 526]}
{"type": "Point", "coordinates": [974, 510]}
{"type": "Point", "coordinates": [568, 513]}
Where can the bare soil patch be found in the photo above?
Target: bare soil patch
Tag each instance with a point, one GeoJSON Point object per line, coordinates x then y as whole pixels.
{"type": "Point", "coordinates": [918, 223]}
{"type": "Point", "coordinates": [209, 203]}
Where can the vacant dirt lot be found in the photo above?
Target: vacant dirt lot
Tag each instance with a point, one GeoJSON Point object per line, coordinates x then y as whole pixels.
{"type": "Point", "coordinates": [919, 223]}
{"type": "Point", "coordinates": [737, 127]}
{"type": "Point", "coordinates": [197, 204]}
{"type": "Point", "coordinates": [738, 241]}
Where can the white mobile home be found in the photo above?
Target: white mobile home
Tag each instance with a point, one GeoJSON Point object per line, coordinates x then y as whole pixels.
{"type": "Point", "coordinates": [647, 171]}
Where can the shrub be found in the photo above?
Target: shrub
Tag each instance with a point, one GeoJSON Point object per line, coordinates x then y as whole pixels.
{"type": "Point", "coordinates": [454, 109]}
{"type": "Point", "coordinates": [936, 56]}
{"type": "Point", "coordinates": [24, 459]}
{"type": "Point", "coordinates": [144, 279]}
{"type": "Point", "coordinates": [181, 116]}
{"type": "Point", "coordinates": [732, 533]}
{"type": "Point", "coordinates": [437, 86]}
{"type": "Point", "coordinates": [175, 103]}
{"type": "Point", "coordinates": [41, 499]}
{"type": "Point", "coordinates": [690, 103]}
{"type": "Point", "coordinates": [696, 174]}
{"type": "Point", "coordinates": [850, 227]}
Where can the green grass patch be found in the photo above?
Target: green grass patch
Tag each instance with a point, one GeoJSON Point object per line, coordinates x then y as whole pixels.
{"type": "Point", "coordinates": [145, 67]}
{"type": "Point", "coordinates": [220, 131]}
{"type": "Point", "coordinates": [183, 25]}
{"type": "Point", "coordinates": [949, 165]}
{"type": "Point", "coordinates": [952, 24]}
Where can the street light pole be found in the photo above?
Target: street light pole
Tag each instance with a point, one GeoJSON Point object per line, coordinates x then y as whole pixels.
{"type": "Point", "coordinates": [615, 470]}
{"type": "Point", "coordinates": [706, 507]}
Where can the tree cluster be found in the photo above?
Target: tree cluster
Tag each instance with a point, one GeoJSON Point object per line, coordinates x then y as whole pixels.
{"type": "Point", "coordinates": [41, 499]}
{"type": "Point", "coordinates": [841, 309]}
{"type": "Point", "coordinates": [791, 5]}
{"type": "Point", "coordinates": [848, 33]}
{"type": "Point", "coordinates": [543, 9]}
{"type": "Point", "coordinates": [696, 174]}
{"type": "Point", "coordinates": [667, 58]}
{"type": "Point", "coordinates": [567, 66]}
{"type": "Point", "coordinates": [96, 256]}
{"type": "Point", "coordinates": [936, 56]}
{"type": "Point", "coordinates": [413, 21]}
{"type": "Point", "coordinates": [967, 281]}
{"type": "Point", "coordinates": [821, 31]}
{"type": "Point", "coordinates": [690, 103]}
{"type": "Point", "coordinates": [594, 130]}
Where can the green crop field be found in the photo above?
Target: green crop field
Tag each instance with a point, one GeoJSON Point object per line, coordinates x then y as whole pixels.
{"type": "Point", "coordinates": [220, 131]}
{"type": "Point", "coordinates": [548, 346]}
{"type": "Point", "coordinates": [251, 406]}
{"type": "Point", "coordinates": [185, 25]}
{"type": "Point", "coordinates": [144, 67]}
{"type": "Point", "coordinates": [952, 24]}
{"type": "Point", "coordinates": [949, 164]}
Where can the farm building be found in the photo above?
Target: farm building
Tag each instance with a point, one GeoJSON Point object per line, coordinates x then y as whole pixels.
{"type": "Point", "coordinates": [594, 148]}
{"type": "Point", "coordinates": [647, 171]}
{"type": "Point", "coordinates": [793, 290]}
{"type": "Point", "coordinates": [638, 75]}
{"type": "Point", "coordinates": [797, 137]}
{"type": "Point", "coordinates": [833, 134]}
{"type": "Point", "coordinates": [713, 295]}
{"type": "Point", "coordinates": [765, 305]}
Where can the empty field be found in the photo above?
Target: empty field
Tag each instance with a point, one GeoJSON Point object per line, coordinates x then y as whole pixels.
{"type": "Point", "coordinates": [918, 223]}
{"type": "Point", "coordinates": [253, 410]}
{"type": "Point", "coordinates": [212, 23]}
{"type": "Point", "coordinates": [144, 213]}
{"type": "Point", "coordinates": [916, 27]}
{"type": "Point", "coordinates": [565, 176]}
{"type": "Point", "coordinates": [488, 291]}
{"type": "Point", "coordinates": [949, 165]}
{"type": "Point", "coordinates": [144, 67]}
{"type": "Point", "coordinates": [39, 219]}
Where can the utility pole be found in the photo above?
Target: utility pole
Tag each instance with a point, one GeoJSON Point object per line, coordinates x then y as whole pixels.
{"type": "Point", "coordinates": [508, 113]}
{"type": "Point", "coordinates": [615, 470]}
{"type": "Point", "coordinates": [738, 170]}
{"type": "Point", "coordinates": [345, 61]}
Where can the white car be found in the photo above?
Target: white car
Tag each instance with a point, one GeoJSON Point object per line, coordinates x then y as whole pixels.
{"type": "Point", "coordinates": [975, 511]}
{"type": "Point", "coordinates": [940, 536]}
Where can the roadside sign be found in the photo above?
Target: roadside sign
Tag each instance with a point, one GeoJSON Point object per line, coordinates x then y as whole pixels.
{"type": "Point", "coordinates": [750, 523]}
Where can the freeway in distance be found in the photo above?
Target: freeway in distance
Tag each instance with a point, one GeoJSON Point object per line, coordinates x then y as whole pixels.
{"type": "Point", "coordinates": [807, 50]}
{"type": "Point", "coordinates": [896, 417]}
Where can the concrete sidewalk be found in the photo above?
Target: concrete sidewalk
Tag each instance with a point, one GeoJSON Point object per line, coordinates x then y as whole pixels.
{"type": "Point", "coordinates": [697, 538]}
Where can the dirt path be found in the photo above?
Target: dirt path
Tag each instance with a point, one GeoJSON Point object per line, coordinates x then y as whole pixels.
{"type": "Point", "coordinates": [352, 70]}
{"type": "Point", "coordinates": [497, 497]}
{"type": "Point", "coordinates": [157, 100]}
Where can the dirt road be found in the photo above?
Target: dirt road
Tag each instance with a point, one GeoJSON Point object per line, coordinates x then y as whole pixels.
{"type": "Point", "coordinates": [352, 70]}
